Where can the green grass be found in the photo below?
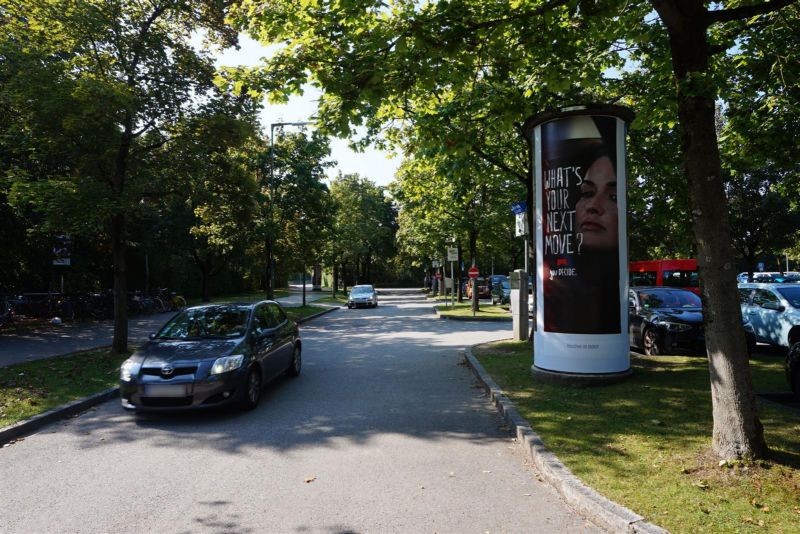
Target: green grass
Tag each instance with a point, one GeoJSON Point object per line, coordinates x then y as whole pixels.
{"type": "Point", "coordinates": [299, 312]}
{"type": "Point", "coordinates": [340, 298]}
{"type": "Point", "coordinates": [645, 442]}
{"type": "Point", "coordinates": [247, 296]}
{"type": "Point", "coordinates": [31, 388]}
{"type": "Point", "coordinates": [464, 310]}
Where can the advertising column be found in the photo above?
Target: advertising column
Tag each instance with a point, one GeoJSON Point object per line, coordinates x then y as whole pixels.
{"type": "Point", "coordinates": [581, 240]}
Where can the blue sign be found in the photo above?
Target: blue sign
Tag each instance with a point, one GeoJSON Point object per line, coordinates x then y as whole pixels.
{"type": "Point", "coordinates": [519, 207]}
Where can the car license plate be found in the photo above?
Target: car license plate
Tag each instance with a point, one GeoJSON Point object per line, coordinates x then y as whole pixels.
{"type": "Point", "coordinates": [166, 390]}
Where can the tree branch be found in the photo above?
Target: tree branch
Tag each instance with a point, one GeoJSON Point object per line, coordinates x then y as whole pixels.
{"type": "Point", "coordinates": [744, 12]}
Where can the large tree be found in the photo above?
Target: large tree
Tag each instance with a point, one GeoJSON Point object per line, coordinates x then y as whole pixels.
{"type": "Point", "coordinates": [375, 60]}
{"type": "Point", "coordinates": [120, 75]}
{"type": "Point", "coordinates": [295, 207]}
{"type": "Point", "coordinates": [210, 203]}
{"type": "Point", "coordinates": [364, 228]}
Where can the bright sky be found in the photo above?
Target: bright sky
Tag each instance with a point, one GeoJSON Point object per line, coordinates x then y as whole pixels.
{"type": "Point", "coordinates": [373, 164]}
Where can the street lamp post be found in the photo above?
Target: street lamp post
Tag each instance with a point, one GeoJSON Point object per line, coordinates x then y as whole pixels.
{"type": "Point", "coordinates": [271, 186]}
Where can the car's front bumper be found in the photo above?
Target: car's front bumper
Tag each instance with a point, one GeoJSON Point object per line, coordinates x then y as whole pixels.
{"type": "Point", "coordinates": [690, 341]}
{"type": "Point", "coordinates": [361, 303]}
{"type": "Point", "coordinates": [153, 393]}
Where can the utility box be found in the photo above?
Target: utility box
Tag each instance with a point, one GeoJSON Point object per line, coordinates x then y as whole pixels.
{"type": "Point", "coordinates": [519, 304]}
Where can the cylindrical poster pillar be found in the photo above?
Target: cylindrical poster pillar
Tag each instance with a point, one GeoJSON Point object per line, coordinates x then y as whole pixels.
{"type": "Point", "coordinates": [581, 240]}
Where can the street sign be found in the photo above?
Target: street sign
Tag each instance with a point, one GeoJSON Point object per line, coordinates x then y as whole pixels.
{"type": "Point", "coordinates": [473, 272]}
{"type": "Point", "coordinates": [519, 207]}
{"type": "Point", "coordinates": [436, 264]}
{"type": "Point", "coordinates": [521, 226]}
{"type": "Point", "coordinates": [62, 250]}
{"type": "Point", "coordinates": [452, 253]}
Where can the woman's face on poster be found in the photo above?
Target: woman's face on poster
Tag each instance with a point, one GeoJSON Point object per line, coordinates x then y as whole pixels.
{"type": "Point", "coordinates": [596, 211]}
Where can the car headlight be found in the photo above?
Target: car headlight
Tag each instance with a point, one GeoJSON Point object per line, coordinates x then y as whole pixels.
{"type": "Point", "coordinates": [129, 369]}
{"type": "Point", "coordinates": [674, 327]}
{"type": "Point", "coordinates": [227, 363]}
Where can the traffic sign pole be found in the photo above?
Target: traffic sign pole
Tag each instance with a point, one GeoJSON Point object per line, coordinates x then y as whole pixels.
{"type": "Point", "coordinates": [473, 275]}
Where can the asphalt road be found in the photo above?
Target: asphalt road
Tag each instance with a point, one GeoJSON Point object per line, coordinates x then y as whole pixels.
{"type": "Point", "coordinates": [48, 340]}
{"type": "Point", "coordinates": [385, 431]}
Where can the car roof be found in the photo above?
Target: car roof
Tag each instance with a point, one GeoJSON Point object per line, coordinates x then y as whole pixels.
{"type": "Point", "coordinates": [755, 285]}
{"type": "Point", "coordinates": [231, 304]}
{"type": "Point", "coordinates": [662, 288]}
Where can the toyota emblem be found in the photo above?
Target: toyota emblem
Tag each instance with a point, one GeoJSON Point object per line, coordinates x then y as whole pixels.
{"type": "Point", "coordinates": [167, 370]}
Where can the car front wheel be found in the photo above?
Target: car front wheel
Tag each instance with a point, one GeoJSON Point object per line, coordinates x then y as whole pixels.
{"type": "Point", "coordinates": [252, 393]}
{"type": "Point", "coordinates": [651, 343]}
{"type": "Point", "coordinates": [297, 363]}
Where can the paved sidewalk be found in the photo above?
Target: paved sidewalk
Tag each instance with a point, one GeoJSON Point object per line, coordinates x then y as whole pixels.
{"type": "Point", "coordinates": [48, 340]}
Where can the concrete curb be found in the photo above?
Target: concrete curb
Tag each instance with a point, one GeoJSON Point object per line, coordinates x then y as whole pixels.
{"type": "Point", "coordinates": [491, 319]}
{"type": "Point", "coordinates": [28, 426]}
{"type": "Point", "coordinates": [319, 314]}
{"type": "Point", "coordinates": [586, 501]}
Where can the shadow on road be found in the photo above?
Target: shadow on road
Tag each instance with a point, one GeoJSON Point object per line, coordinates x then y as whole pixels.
{"type": "Point", "coordinates": [394, 369]}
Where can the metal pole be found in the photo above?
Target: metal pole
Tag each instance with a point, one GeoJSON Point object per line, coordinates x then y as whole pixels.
{"type": "Point", "coordinates": [270, 185]}
{"type": "Point", "coordinates": [526, 253]}
{"type": "Point", "coordinates": [453, 290]}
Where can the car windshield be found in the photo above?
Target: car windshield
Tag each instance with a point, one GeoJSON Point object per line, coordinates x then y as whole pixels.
{"type": "Point", "coordinates": [361, 290]}
{"type": "Point", "coordinates": [669, 299]}
{"type": "Point", "coordinates": [208, 322]}
{"type": "Point", "coordinates": [792, 294]}
{"type": "Point", "coordinates": [505, 284]}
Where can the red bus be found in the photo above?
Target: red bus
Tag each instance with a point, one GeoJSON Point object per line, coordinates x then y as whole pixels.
{"type": "Point", "coordinates": [670, 273]}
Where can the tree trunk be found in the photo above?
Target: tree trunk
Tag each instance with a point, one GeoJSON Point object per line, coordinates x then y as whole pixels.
{"type": "Point", "coordinates": [335, 278]}
{"type": "Point", "coordinates": [737, 433]}
{"type": "Point", "coordinates": [205, 273]}
{"type": "Point", "coordinates": [119, 345]}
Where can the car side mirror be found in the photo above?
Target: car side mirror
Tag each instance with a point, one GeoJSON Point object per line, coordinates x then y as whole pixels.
{"type": "Point", "coordinates": [773, 306]}
{"type": "Point", "coordinates": [631, 304]}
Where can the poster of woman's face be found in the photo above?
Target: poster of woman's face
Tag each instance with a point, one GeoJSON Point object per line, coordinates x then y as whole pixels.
{"type": "Point", "coordinates": [580, 226]}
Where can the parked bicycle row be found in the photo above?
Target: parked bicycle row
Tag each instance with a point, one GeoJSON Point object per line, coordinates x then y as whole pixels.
{"type": "Point", "coordinates": [69, 307]}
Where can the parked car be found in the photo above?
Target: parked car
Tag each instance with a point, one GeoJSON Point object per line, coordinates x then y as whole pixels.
{"type": "Point", "coordinates": [774, 312]}
{"type": "Point", "coordinates": [484, 291]}
{"type": "Point", "coordinates": [665, 320]}
{"type": "Point", "coordinates": [770, 277]}
{"type": "Point", "coordinates": [661, 320]}
{"type": "Point", "coordinates": [212, 355]}
{"type": "Point", "coordinates": [362, 295]}
{"type": "Point", "coordinates": [501, 291]}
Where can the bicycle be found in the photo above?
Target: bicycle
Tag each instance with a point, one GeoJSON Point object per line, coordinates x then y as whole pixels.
{"type": "Point", "coordinates": [7, 314]}
{"type": "Point", "coordinates": [172, 301]}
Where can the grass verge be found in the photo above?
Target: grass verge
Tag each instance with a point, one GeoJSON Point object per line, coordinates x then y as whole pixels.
{"type": "Point", "coordinates": [645, 443]}
{"type": "Point", "coordinates": [299, 312]}
{"type": "Point", "coordinates": [339, 299]}
{"type": "Point", "coordinates": [463, 310]}
{"type": "Point", "coordinates": [247, 296]}
{"type": "Point", "coordinates": [30, 388]}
